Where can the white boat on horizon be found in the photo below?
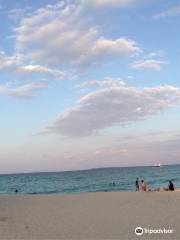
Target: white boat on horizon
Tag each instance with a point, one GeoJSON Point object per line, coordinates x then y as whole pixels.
{"type": "Point", "coordinates": [157, 165]}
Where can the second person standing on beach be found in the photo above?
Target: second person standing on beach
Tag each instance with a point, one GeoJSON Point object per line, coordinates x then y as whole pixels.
{"type": "Point", "coordinates": [143, 186]}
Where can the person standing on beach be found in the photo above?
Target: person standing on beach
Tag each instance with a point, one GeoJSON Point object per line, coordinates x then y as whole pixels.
{"type": "Point", "coordinates": [143, 186]}
{"type": "Point", "coordinates": [137, 184]}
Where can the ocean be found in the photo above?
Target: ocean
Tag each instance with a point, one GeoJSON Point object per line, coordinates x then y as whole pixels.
{"type": "Point", "coordinates": [94, 180]}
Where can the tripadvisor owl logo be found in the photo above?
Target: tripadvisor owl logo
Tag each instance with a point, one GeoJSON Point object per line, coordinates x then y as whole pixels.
{"type": "Point", "coordinates": [139, 231]}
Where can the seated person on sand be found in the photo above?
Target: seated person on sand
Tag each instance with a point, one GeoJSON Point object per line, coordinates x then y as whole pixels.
{"type": "Point", "coordinates": [143, 186]}
{"type": "Point", "coordinates": [170, 186]}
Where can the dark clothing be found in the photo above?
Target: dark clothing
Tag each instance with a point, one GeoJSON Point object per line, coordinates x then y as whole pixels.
{"type": "Point", "coordinates": [171, 186]}
{"type": "Point", "coordinates": [137, 185]}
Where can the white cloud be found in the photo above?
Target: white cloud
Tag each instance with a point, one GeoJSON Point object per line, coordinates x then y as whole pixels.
{"type": "Point", "coordinates": [8, 62]}
{"type": "Point", "coordinates": [107, 82]}
{"type": "Point", "coordinates": [155, 54]}
{"type": "Point", "coordinates": [149, 64]}
{"type": "Point", "coordinates": [39, 69]}
{"type": "Point", "coordinates": [102, 49]}
{"type": "Point", "coordinates": [174, 11]}
{"type": "Point", "coordinates": [23, 91]}
{"type": "Point", "coordinates": [14, 64]}
{"type": "Point", "coordinates": [60, 35]}
{"type": "Point", "coordinates": [112, 3]}
{"type": "Point", "coordinates": [33, 69]}
{"type": "Point", "coordinates": [113, 106]}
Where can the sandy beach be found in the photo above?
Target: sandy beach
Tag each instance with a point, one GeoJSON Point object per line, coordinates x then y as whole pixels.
{"type": "Point", "coordinates": [112, 215]}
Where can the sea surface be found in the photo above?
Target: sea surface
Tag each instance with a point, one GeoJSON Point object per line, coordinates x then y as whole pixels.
{"type": "Point", "coordinates": [94, 180]}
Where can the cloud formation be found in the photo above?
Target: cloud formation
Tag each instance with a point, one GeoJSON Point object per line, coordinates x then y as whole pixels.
{"type": "Point", "coordinates": [60, 35]}
{"type": "Point", "coordinates": [33, 69]}
{"type": "Point", "coordinates": [29, 89]}
{"type": "Point", "coordinates": [42, 70]}
{"type": "Point", "coordinates": [8, 62]}
{"type": "Point", "coordinates": [171, 12]}
{"type": "Point", "coordinates": [112, 3]}
{"type": "Point", "coordinates": [56, 37]}
{"type": "Point", "coordinates": [22, 92]}
{"type": "Point", "coordinates": [149, 64]}
{"type": "Point", "coordinates": [107, 82]}
{"type": "Point", "coordinates": [113, 106]}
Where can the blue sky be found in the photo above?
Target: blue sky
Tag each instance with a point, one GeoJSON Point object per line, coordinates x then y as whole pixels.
{"type": "Point", "coordinates": [87, 84]}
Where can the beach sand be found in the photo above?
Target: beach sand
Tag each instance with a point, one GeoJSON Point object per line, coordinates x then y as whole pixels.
{"type": "Point", "coordinates": [108, 215]}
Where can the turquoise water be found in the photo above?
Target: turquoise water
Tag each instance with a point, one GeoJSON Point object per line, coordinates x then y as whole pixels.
{"type": "Point", "coordinates": [88, 180]}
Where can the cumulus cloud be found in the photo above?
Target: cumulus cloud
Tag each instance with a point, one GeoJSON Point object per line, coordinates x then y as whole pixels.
{"type": "Point", "coordinates": [59, 34]}
{"type": "Point", "coordinates": [15, 64]}
{"type": "Point", "coordinates": [149, 64]}
{"type": "Point", "coordinates": [23, 91]}
{"type": "Point", "coordinates": [113, 106]}
{"type": "Point", "coordinates": [55, 37]}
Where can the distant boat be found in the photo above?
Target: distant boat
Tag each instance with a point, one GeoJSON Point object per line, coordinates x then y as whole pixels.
{"type": "Point", "coordinates": [157, 165]}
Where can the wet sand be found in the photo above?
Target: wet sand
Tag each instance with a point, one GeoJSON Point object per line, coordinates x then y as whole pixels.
{"type": "Point", "coordinates": [112, 215]}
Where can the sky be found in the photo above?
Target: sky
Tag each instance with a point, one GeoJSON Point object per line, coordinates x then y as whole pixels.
{"type": "Point", "coordinates": [88, 84]}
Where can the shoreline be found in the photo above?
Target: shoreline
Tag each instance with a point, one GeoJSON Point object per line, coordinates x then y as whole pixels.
{"type": "Point", "coordinates": [80, 193]}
